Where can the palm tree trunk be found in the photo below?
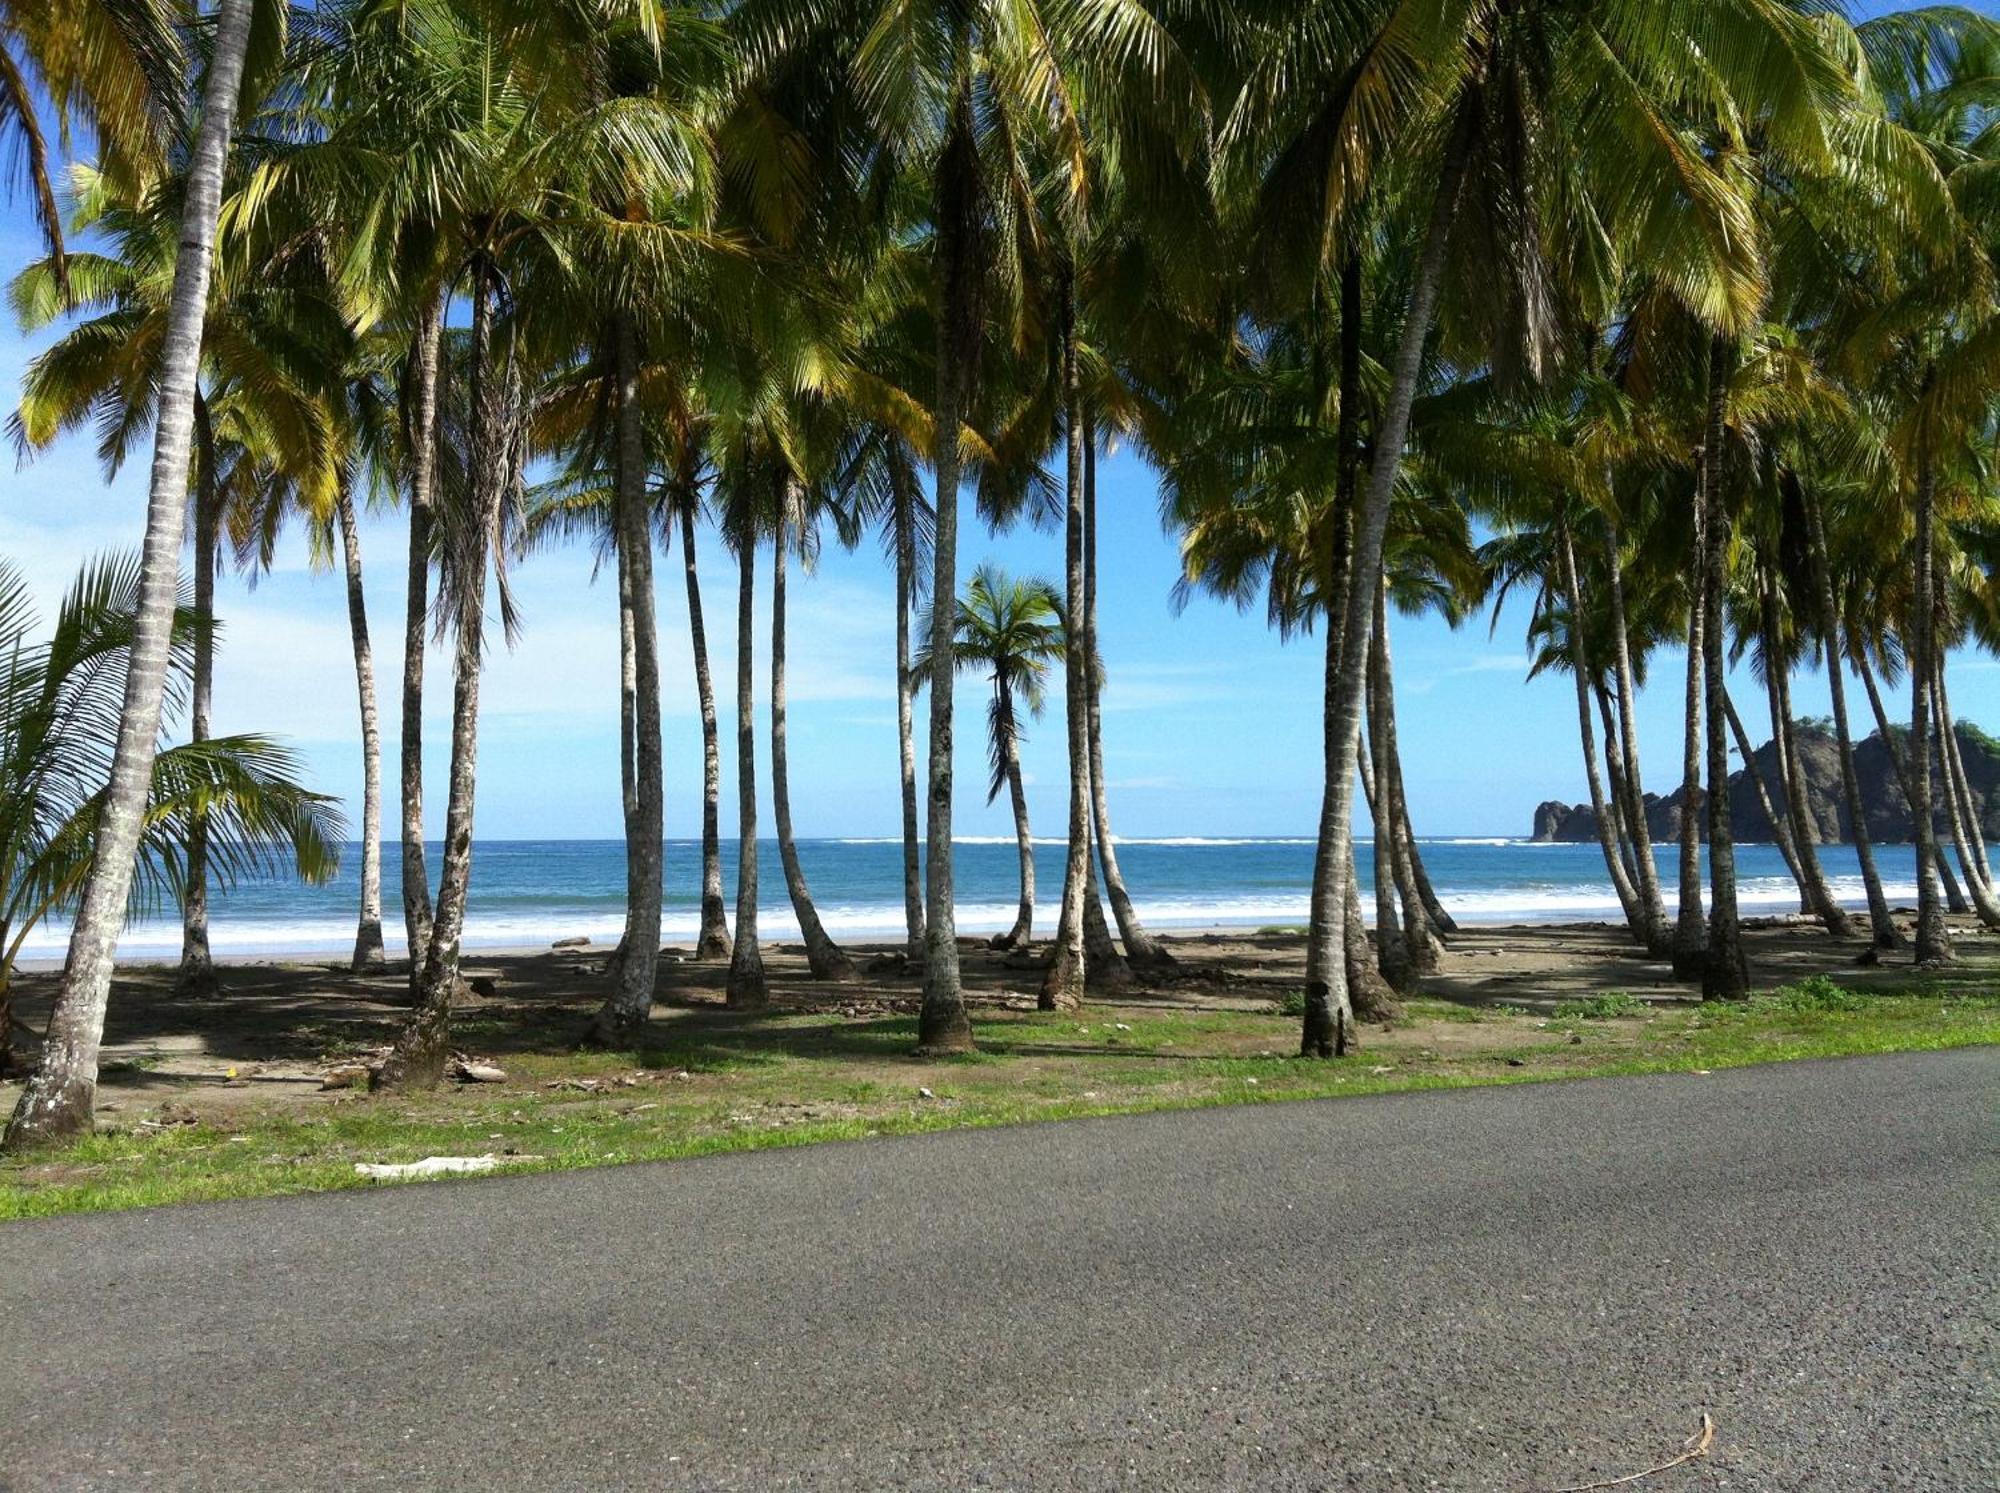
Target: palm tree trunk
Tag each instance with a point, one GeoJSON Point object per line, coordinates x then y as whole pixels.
{"type": "Point", "coordinates": [1063, 979]}
{"type": "Point", "coordinates": [1958, 814]}
{"type": "Point", "coordinates": [1440, 920]}
{"type": "Point", "coordinates": [714, 939]}
{"type": "Point", "coordinates": [630, 1001]}
{"type": "Point", "coordinates": [1881, 928]}
{"type": "Point", "coordinates": [1105, 968]}
{"type": "Point", "coordinates": [1024, 839]}
{"type": "Point", "coordinates": [904, 518]}
{"type": "Point", "coordinates": [826, 959]}
{"type": "Point", "coordinates": [1727, 974]}
{"type": "Point", "coordinates": [421, 386]}
{"type": "Point", "coordinates": [1420, 940]}
{"type": "Point", "coordinates": [196, 976]}
{"type": "Point", "coordinates": [1781, 832]}
{"type": "Point", "coordinates": [1580, 671]}
{"type": "Point", "coordinates": [1142, 951]}
{"type": "Point", "coordinates": [1816, 894]}
{"type": "Point", "coordinates": [628, 749]}
{"type": "Point", "coordinates": [1933, 941]}
{"type": "Point", "coordinates": [746, 987]}
{"type": "Point", "coordinates": [1392, 955]}
{"type": "Point", "coordinates": [942, 1025]}
{"type": "Point", "coordinates": [368, 928]}
{"type": "Point", "coordinates": [57, 1101]}
{"type": "Point", "coordinates": [1645, 866]}
{"type": "Point", "coordinates": [1948, 748]}
{"type": "Point", "coordinates": [1621, 819]}
{"type": "Point", "coordinates": [1953, 899]}
{"type": "Point", "coordinates": [1690, 941]}
{"type": "Point", "coordinates": [419, 1056]}
{"type": "Point", "coordinates": [1329, 1018]}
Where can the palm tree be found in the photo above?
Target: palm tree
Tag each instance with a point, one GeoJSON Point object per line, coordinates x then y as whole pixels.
{"type": "Point", "coordinates": [1010, 630]}
{"type": "Point", "coordinates": [57, 1100]}
{"type": "Point", "coordinates": [952, 94]}
{"type": "Point", "coordinates": [792, 528]}
{"type": "Point", "coordinates": [59, 700]}
{"type": "Point", "coordinates": [115, 66]}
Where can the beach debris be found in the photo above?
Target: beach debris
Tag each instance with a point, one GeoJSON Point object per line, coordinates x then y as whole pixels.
{"type": "Point", "coordinates": [1693, 1449]}
{"type": "Point", "coordinates": [436, 1166]}
{"type": "Point", "coordinates": [169, 1115]}
{"type": "Point", "coordinates": [578, 942]}
{"type": "Point", "coordinates": [476, 1070]}
{"type": "Point", "coordinates": [346, 1076]}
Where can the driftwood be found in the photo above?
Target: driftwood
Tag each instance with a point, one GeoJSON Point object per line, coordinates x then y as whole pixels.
{"type": "Point", "coordinates": [1695, 1448]}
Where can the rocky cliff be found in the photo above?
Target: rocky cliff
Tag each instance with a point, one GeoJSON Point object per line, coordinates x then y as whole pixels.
{"type": "Point", "coordinates": [1886, 810]}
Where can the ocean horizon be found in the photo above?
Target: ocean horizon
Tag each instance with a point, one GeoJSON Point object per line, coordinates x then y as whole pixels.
{"type": "Point", "coordinates": [529, 893]}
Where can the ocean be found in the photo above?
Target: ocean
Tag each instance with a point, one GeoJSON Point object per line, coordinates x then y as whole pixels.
{"type": "Point", "coordinates": [527, 893]}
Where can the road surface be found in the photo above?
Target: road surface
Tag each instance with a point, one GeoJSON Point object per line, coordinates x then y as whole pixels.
{"type": "Point", "coordinates": [1519, 1288]}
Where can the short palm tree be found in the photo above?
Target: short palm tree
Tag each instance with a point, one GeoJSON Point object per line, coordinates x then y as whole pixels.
{"type": "Point", "coordinates": [1011, 630]}
{"type": "Point", "coordinates": [59, 715]}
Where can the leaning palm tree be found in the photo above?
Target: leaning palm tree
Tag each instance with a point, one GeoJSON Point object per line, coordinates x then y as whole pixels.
{"type": "Point", "coordinates": [59, 721]}
{"type": "Point", "coordinates": [57, 1101]}
{"type": "Point", "coordinates": [1012, 631]}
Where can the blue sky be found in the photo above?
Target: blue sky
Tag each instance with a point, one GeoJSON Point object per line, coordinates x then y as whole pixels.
{"type": "Point", "coordinates": [1211, 723]}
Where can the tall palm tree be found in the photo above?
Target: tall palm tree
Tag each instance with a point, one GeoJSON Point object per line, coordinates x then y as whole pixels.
{"type": "Point", "coordinates": [1011, 630]}
{"type": "Point", "coordinates": [792, 529]}
{"type": "Point", "coordinates": [57, 1101]}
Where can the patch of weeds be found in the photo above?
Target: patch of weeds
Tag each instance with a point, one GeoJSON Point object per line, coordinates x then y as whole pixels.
{"type": "Point", "coordinates": [1606, 1007]}
{"type": "Point", "coordinates": [1817, 993]}
{"type": "Point", "coordinates": [1291, 1003]}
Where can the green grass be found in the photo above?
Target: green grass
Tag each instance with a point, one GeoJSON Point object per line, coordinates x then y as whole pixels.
{"type": "Point", "coordinates": [718, 1083]}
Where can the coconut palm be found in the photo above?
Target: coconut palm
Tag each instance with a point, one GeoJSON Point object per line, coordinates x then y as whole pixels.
{"type": "Point", "coordinates": [1011, 630]}
{"type": "Point", "coordinates": [59, 724]}
{"type": "Point", "coordinates": [57, 1100]}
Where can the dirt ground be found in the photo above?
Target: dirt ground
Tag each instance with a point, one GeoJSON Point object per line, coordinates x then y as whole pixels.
{"type": "Point", "coordinates": [279, 1028]}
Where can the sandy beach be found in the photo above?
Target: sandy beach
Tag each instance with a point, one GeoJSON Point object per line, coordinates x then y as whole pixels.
{"type": "Point", "coordinates": [280, 1024]}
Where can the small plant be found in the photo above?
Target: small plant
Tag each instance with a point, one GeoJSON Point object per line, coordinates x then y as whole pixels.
{"type": "Point", "coordinates": [1606, 1007]}
{"type": "Point", "coordinates": [1292, 1003]}
{"type": "Point", "coordinates": [1817, 993]}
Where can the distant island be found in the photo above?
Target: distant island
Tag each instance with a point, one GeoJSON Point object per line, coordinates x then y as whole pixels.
{"type": "Point", "coordinates": [1883, 802]}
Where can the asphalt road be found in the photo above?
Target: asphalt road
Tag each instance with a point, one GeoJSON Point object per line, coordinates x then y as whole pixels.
{"type": "Point", "coordinates": [1520, 1288]}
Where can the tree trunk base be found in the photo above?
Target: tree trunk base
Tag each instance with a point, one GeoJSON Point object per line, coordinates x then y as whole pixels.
{"type": "Point", "coordinates": [1324, 1035]}
{"type": "Point", "coordinates": [828, 961]}
{"type": "Point", "coordinates": [943, 1030]}
{"type": "Point", "coordinates": [746, 990]}
{"type": "Point", "coordinates": [418, 1059]}
{"type": "Point", "coordinates": [1374, 998]}
{"type": "Point", "coordinates": [1148, 956]}
{"type": "Point", "coordinates": [197, 979]}
{"type": "Point", "coordinates": [714, 944]}
{"type": "Point", "coordinates": [1062, 981]}
{"type": "Point", "coordinates": [368, 952]}
{"type": "Point", "coordinates": [1725, 977]}
{"type": "Point", "coordinates": [616, 1029]}
{"type": "Point", "coordinates": [51, 1113]}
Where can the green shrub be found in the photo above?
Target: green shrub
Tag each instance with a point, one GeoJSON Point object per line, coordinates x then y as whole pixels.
{"type": "Point", "coordinates": [1292, 1003]}
{"type": "Point", "coordinates": [1817, 993]}
{"type": "Point", "coordinates": [1605, 1007]}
